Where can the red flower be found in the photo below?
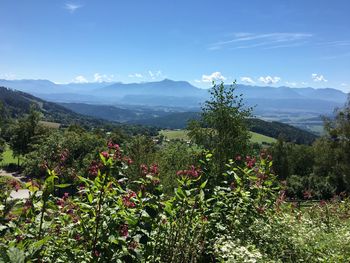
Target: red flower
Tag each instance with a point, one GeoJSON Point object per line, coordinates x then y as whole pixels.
{"type": "Point", "coordinates": [127, 199]}
{"type": "Point", "coordinates": [307, 194]}
{"type": "Point", "coordinates": [192, 172]}
{"type": "Point", "coordinates": [94, 167]}
{"type": "Point", "coordinates": [144, 169]}
{"type": "Point", "coordinates": [133, 245]}
{"type": "Point", "coordinates": [127, 160]}
{"type": "Point", "coordinates": [15, 184]}
{"type": "Point", "coordinates": [124, 230]}
{"type": "Point", "coordinates": [154, 169]}
{"type": "Point", "coordinates": [105, 154]}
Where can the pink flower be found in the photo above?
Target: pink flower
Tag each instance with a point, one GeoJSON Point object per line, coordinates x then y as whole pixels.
{"type": "Point", "coordinates": [154, 169]}
{"type": "Point", "coordinates": [192, 172]}
{"type": "Point", "coordinates": [144, 169]}
{"type": "Point", "coordinates": [127, 199]}
{"type": "Point", "coordinates": [124, 230]}
{"type": "Point", "coordinates": [105, 154]}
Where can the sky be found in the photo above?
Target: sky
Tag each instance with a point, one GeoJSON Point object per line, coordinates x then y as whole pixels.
{"type": "Point", "coordinates": [294, 43]}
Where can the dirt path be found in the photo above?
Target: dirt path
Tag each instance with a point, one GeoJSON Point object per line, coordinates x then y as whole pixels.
{"type": "Point", "coordinates": [21, 193]}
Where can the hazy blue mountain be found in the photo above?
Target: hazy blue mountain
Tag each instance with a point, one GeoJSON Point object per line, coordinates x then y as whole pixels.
{"type": "Point", "coordinates": [31, 86]}
{"type": "Point", "coordinates": [164, 88]}
{"type": "Point", "coordinates": [169, 93]}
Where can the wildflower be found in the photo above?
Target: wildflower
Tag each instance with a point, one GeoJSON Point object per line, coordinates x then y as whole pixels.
{"type": "Point", "coordinates": [105, 154]}
{"type": "Point", "coordinates": [154, 169]}
{"type": "Point", "coordinates": [307, 194]}
{"type": "Point", "coordinates": [250, 162]}
{"type": "Point", "coordinates": [94, 167]}
{"type": "Point", "coordinates": [260, 209]}
{"type": "Point", "coordinates": [156, 181]}
{"type": "Point", "coordinates": [64, 156]}
{"type": "Point", "coordinates": [127, 160]}
{"type": "Point", "coordinates": [144, 169]}
{"type": "Point", "coordinates": [113, 146]}
{"type": "Point", "coordinates": [133, 245]}
{"type": "Point", "coordinates": [238, 158]}
{"type": "Point", "coordinates": [65, 196]}
{"type": "Point", "coordinates": [124, 230]}
{"type": "Point", "coordinates": [192, 172]}
{"type": "Point", "coordinates": [127, 199]}
{"type": "Point", "coordinates": [15, 184]}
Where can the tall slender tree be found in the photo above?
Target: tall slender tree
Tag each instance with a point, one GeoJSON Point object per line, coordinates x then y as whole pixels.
{"type": "Point", "coordinates": [222, 128]}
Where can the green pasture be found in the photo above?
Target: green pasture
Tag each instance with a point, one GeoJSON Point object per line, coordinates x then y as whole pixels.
{"type": "Point", "coordinates": [182, 135]}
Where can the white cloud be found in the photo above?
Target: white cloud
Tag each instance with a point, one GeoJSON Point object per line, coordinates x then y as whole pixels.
{"type": "Point", "coordinates": [248, 80]}
{"type": "Point", "coordinates": [135, 75]}
{"type": "Point", "coordinates": [344, 85]}
{"type": "Point", "coordinates": [304, 83]}
{"type": "Point", "coordinates": [156, 74]}
{"type": "Point", "coordinates": [72, 7]}
{"type": "Point", "coordinates": [8, 76]}
{"type": "Point", "coordinates": [291, 84]}
{"type": "Point", "coordinates": [215, 76]}
{"type": "Point", "coordinates": [80, 79]}
{"type": "Point", "coordinates": [318, 78]}
{"type": "Point", "coordinates": [269, 80]}
{"type": "Point", "coordinates": [103, 77]}
{"type": "Point", "coordinates": [268, 40]}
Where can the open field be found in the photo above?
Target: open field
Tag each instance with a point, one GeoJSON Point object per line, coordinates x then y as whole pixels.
{"type": "Point", "coordinates": [175, 134]}
{"type": "Point", "coordinates": [260, 138]}
{"type": "Point", "coordinates": [7, 157]}
{"type": "Point", "coordinates": [182, 135]}
{"type": "Point", "coordinates": [49, 124]}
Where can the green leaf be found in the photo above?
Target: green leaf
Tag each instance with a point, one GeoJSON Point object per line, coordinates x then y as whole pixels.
{"type": "Point", "coordinates": [62, 185]}
{"type": "Point", "coordinates": [90, 197]}
{"type": "Point", "coordinates": [204, 184]}
{"type": "Point", "coordinates": [15, 255]}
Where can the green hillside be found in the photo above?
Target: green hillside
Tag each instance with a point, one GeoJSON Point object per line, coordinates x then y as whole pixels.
{"type": "Point", "coordinates": [182, 135]}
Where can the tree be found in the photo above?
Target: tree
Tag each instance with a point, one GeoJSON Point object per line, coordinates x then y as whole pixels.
{"type": "Point", "coordinates": [23, 133]}
{"type": "Point", "coordinates": [222, 127]}
{"type": "Point", "coordinates": [335, 147]}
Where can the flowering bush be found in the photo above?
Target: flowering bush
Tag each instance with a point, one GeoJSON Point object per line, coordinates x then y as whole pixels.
{"type": "Point", "coordinates": [113, 218]}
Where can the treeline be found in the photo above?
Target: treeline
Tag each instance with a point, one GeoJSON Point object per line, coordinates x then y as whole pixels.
{"type": "Point", "coordinates": [277, 129]}
{"type": "Point", "coordinates": [322, 169]}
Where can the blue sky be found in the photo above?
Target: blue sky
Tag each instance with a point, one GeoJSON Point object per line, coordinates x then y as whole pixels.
{"type": "Point", "coordinates": [272, 42]}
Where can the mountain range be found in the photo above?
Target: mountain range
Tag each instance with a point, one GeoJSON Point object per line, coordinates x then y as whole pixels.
{"type": "Point", "coordinates": [152, 102]}
{"type": "Point", "coordinates": [14, 104]}
{"type": "Point", "coordinates": [169, 93]}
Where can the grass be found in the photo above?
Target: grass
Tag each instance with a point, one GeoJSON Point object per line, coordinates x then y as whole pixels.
{"type": "Point", "coordinates": [175, 134]}
{"type": "Point", "coordinates": [262, 139]}
{"type": "Point", "coordinates": [48, 124]}
{"type": "Point", "coordinates": [182, 135]}
{"type": "Point", "coordinates": [7, 157]}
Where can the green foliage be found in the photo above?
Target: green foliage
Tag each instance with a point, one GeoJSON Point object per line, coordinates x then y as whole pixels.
{"type": "Point", "coordinates": [222, 127]}
{"type": "Point", "coordinates": [67, 152]}
{"type": "Point", "coordinates": [25, 132]}
{"type": "Point", "coordinates": [276, 129]}
{"type": "Point", "coordinates": [173, 157]}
